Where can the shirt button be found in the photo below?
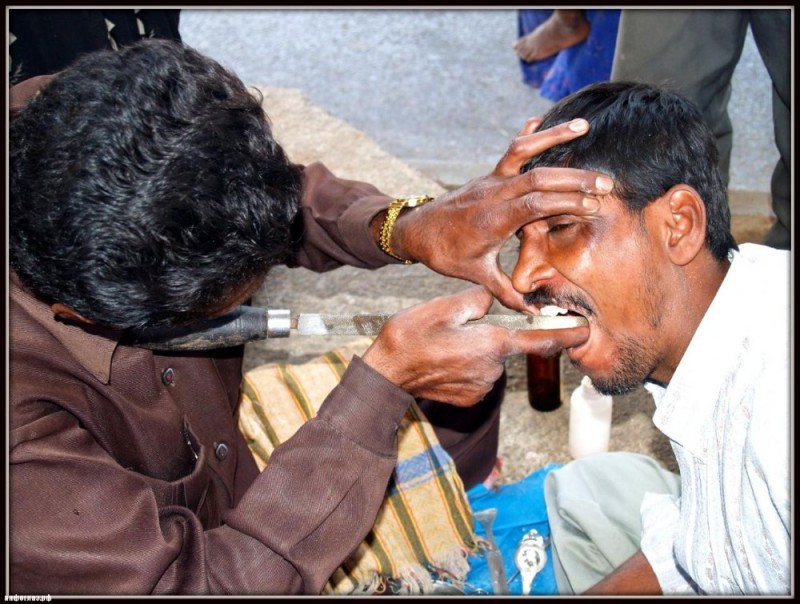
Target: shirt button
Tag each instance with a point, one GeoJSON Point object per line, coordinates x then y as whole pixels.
{"type": "Point", "coordinates": [168, 377]}
{"type": "Point", "coordinates": [221, 450]}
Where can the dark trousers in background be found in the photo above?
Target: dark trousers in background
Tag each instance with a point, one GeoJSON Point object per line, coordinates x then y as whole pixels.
{"type": "Point", "coordinates": [695, 52]}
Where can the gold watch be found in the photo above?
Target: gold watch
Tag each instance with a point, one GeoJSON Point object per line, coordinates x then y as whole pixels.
{"type": "Point", "coordinates": [392, 212]}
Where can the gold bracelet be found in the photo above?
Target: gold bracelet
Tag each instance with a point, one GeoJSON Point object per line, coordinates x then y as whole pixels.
{"type": "Point", "coordinates": [392, 213]}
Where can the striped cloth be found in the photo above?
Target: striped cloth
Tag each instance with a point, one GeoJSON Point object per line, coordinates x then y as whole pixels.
{"type": "Point", "coordinates": [424, 529]}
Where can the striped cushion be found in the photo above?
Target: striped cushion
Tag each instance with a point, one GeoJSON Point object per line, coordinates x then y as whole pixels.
{"type": "Point", "coordinates": [424, 527]}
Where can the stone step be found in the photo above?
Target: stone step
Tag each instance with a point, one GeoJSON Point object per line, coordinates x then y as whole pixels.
{"type": "Point", "coordinates": [751, 215]}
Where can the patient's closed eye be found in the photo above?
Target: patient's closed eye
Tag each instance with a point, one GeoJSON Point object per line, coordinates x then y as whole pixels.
{"type": "Point", "coordinates": [560, 227]}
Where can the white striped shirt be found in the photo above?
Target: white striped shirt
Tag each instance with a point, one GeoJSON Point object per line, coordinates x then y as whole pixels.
{"type": "Point", "coordinates": [727, 413]}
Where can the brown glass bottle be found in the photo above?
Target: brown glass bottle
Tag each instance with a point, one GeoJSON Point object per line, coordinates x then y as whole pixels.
{"type": "Point", "coordinates": [544, 382]}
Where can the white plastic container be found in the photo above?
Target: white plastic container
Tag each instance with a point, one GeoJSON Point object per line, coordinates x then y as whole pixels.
{"type": "Point", "coordinates": [589, 420]}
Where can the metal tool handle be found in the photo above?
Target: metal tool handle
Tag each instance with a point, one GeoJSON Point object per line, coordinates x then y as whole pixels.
{"type": "Point", "coordinates": [324, 324]}
{"type": "Point", "coordinates": [241, 325]}
{"type": "Point", "coordinates": [494, 557]}
{"type": "Point", "coordinates": [250, 323]}
{"type": "Point", "coordinates": [497, 571]}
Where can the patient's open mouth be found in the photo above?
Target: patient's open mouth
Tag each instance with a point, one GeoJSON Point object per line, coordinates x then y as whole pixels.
{"type": "Point", "coordinates": [566, 309]}
{"type": "Point", "coordinates": [553, 310]}
{"type": "Point", "coordinates": [551, 303]}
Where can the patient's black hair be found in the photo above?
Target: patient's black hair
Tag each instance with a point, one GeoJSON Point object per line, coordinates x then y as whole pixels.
{"type": "Point", "coordinates": [648, 140]}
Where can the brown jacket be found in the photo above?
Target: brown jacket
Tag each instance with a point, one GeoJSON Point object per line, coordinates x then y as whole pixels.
{"type": "Point", "coordinates": [128, 474]}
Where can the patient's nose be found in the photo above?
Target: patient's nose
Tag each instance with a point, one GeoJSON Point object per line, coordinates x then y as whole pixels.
{"type": "Point", "coordinates": [531, 270]}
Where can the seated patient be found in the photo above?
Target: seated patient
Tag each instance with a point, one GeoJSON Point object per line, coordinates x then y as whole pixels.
{"type": "Point", "coordinates": [673, 303]}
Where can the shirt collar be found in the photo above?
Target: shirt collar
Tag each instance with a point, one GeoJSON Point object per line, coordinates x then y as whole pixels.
{"type": "Point", "coordinates": [92, 347]}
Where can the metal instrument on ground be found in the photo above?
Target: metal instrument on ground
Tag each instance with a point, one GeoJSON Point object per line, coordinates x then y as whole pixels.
{"type": "Point", "coordinates": [494, 557]}
{"type": "Point", "coordinates": [530, 558]}
{"type": "Point", "coordinates": [251, 323]}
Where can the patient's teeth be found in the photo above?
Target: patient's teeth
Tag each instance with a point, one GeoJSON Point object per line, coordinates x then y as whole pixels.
{"type": "Point", "coordinates": [552, 310]}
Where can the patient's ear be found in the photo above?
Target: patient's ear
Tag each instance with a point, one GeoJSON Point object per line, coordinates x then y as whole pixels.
{"type": "Point", "coordinates": [64, 312]}
{"type": "Point", "coordinates": [684, 222]}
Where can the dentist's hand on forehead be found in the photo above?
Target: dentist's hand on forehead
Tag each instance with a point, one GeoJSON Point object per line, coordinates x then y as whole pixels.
{"type": "Point", "coordinates": [461, 233]}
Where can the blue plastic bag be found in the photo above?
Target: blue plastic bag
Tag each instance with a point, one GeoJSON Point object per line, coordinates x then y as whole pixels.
{"type": "Point", "coordinates": [520, 508]}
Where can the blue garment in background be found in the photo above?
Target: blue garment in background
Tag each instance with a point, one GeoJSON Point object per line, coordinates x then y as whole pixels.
{"type": "Point", "coordinates": [577, 66]}
{"type": "Point", "coordinates": [520, 508]}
